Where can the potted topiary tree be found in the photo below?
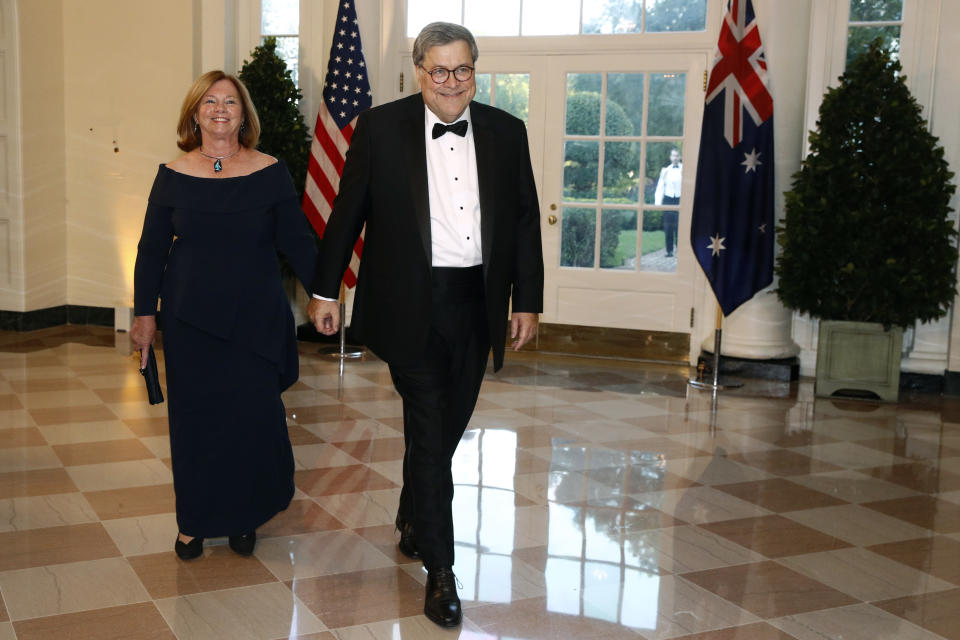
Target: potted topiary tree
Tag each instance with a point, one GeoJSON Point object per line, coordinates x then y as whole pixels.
{"type": "Point", "coordinates": [867, 240]}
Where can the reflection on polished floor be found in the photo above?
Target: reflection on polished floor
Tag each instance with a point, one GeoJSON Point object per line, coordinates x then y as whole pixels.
{"type": "Point", "coordinates": [593, 500]}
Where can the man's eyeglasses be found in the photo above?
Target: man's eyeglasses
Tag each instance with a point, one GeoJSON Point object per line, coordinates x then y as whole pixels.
{"type": "Point", "coordinates": [440, 74]}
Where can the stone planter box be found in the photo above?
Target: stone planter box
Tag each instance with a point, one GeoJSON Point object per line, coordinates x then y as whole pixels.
{"type": "Point", "coordinates": [858, 357]}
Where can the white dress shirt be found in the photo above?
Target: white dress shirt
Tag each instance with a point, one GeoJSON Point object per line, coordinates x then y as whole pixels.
{"type": "Point", "coordinates": [671, 178]}
{"type": "Point", "coordinates": [454, 195]}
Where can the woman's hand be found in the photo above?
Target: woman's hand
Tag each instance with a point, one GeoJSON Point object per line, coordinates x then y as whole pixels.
{"type": "Point", "coordinates": [141, 335]}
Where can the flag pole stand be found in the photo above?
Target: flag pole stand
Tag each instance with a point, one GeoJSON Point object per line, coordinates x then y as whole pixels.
{"type": "Point", "coordinates": [716, 385]}
{"type": "Point", "coordinates": [344, 351]}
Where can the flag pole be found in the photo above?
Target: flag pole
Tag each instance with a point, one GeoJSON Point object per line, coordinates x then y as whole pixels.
{"type": "Point", "coordinates": [716, 385]}
{"type": "Point", "coordinates": [344, 351]}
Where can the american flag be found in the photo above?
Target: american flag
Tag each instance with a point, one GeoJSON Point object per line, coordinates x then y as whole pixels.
{"type": "Point", "coordinates": [346, 92]}
{"type": "Point", "coordinates": [732, 230]}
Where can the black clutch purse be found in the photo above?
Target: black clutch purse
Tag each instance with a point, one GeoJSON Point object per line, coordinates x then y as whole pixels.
{"type": "Point", "coordinates": [152, 378]}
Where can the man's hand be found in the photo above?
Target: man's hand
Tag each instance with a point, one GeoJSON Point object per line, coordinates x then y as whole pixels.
{"type": "Point", "coordinates": [325, 315]}
{"type": "Point", "coordinates": [141, 335]}
{"type": "Point", "coordinates": [523, 327]}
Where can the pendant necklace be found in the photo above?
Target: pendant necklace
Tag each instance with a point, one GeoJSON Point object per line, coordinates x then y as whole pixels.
{"type": "Point", "coordinates": [218, 166]}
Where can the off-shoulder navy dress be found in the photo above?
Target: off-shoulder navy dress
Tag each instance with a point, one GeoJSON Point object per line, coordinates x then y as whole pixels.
{"type": "Point", "coordinates": [209, 252]}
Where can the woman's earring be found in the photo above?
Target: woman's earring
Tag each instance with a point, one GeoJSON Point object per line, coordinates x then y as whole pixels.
{"type": "Point", "coordinates": [196, 127]}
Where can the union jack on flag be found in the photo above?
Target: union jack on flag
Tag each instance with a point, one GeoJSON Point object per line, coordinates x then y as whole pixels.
{"type": "Point", "coordinates": [346, 92]}
{"type": "Point", "coordinates": [732, 230]}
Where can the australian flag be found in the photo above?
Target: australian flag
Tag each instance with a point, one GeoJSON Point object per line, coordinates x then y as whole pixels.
{"type": "Point", "coordinates": [732, 230]}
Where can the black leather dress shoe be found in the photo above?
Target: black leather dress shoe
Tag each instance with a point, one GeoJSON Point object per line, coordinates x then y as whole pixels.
{"type": "Point", "coordinates": [244, 544]}
{"type": "Point", "coordinates": [188, 550]}
{"type": "Point", "coordinates": [408, 543]}
{"type": "Point", "coordinates": [442, 604]}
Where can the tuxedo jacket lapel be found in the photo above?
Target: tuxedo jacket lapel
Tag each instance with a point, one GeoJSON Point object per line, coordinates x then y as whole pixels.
{"type": "Point", "coordinates": [415, 156]}
{"type": "Point", "coordinates": [484, 143]}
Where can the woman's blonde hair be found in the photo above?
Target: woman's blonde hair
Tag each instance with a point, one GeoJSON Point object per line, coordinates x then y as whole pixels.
{"type": "Point", "coordinates": [187, 129]}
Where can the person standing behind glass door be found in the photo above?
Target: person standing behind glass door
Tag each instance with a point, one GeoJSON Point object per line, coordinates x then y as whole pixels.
{"type": "Point", "coordinates": [668, 192]}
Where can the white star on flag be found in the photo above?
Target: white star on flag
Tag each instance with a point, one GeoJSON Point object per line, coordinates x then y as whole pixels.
{"type": "Point", "coordinates": [716, 244]}
{"type": "Point", "coordinates": [751, 160]}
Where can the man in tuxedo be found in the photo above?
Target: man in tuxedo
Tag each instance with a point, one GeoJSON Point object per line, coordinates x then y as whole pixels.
{"type": "Point", "coordinates": [668, 192]}
{"type": "Point", "coordinates": [446, 190]}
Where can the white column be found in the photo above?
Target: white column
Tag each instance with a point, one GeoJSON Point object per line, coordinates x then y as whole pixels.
{"type": "Point", "coordinates": [761, 328]}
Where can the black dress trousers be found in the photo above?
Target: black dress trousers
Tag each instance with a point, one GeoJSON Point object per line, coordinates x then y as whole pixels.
{"type": "Point", "coordinates": [439, 394]}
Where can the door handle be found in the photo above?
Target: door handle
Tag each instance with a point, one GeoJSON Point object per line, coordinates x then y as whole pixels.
{"type": "Point", "coordinates": [552, 219]}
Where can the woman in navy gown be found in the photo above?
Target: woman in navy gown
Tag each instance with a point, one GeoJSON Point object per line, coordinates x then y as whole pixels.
{"type": "Point", "coordinates": [215, 219]}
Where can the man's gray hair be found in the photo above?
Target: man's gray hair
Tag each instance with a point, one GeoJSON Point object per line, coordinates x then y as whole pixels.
{"type": "Point", "coordinates": [437, 34]}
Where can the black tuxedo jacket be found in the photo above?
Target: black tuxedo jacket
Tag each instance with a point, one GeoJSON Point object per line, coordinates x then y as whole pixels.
{"type": "Point", "coordinates": [384, 185]}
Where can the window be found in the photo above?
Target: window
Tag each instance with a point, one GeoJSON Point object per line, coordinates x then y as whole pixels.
{"type": "Point", "coordinates": [281, 19]}
{"type": "Point", "coordinates": [507, 91]}
{"type": "Point", "coordinates": [872, 19]}
{"type": "Point", "coordinates": [559, 17]}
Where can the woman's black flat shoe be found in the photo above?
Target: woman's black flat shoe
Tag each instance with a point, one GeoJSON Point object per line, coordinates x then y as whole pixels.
{"type": "Point", "coordinates": [189, 550]}
{"type": "Point", "coordinates": [244, 544]}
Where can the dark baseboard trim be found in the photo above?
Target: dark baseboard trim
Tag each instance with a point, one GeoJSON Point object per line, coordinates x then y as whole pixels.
{"type": "Point", "coordinates": [951, 383]}
{"type": "Point", "coordinates": [780, 369]}
{"type": "Point", "coordinates": [54, 317]}
{"type": "Point", "coordinates": [606, 342]}
{"type": "Point", "coordinates": [922, 382]}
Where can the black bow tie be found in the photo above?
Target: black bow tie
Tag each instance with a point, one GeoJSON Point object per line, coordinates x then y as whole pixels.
{"type": "Point", "coordinates": [459, 128]}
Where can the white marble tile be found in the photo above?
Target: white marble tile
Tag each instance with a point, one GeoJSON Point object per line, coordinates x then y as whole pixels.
{"type": "Point", "coordinates": [332, 382]}
{"type": "Point", "coordinates": [858, 525]}
{"type": "Point", "coordinates": [127, 410]}
{"type": "Point", "coordinates": [524, 399]}
{"type": "Point", "coordinates": [715, 469]}
{"type": "Point", "coordinates": [864, 575]}
{"type": "Point", "coordinates": [67, 398]}
{"type": "Point", "coordinates": [158, 445]}
{"type": "Point", "coordinates": [119, 475]}
{"type": "Point", "coordinates": [685, 548]}
{"type": "Point", "coordinates": [849, 455]}
{"type": "Point", "coordinates": [28, 458]}
{"type": "Point", "coordinates": [306, 398]}
{"type": "Point", "coordinates": [853, 486]}
{"type": "Point", "coordinates": [506, 418]}
{"type": "Point", "coordinates": [379, 408]}
{"type": "Point", "coordinates": [625, 407]}
{"type": "Point", "coordinates": [351, 430]}
{"type": "Point", "coordinates": [412, 628]}
{"type": "Point", "coordinates": [86, 432]}
{"type": "Point", "coordinates": [247, 613]}
{"type": "Point", "coordinates": [391, 469]}
{"type": "Point", "coordinates": [74, 586]}
{"type": "Point", "coordinates": [698, 505]}
{"type": "Point", "coordinates": [143, 535]}
{"type": "Point", "coordinates": [365, 509]}
{"type": "Point", "coordinates": [16, 419]}
{"type": "Point", "coordinates": [320, 456]}
{"type": "Point", "coordinates": [36, 512]}
{"type": "Point", "coordinates": [856, 622]}
{"type": "Point", "coordinates": [319, 553]}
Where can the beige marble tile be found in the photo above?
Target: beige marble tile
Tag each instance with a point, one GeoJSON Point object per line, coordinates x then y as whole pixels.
{"type": "Point", "coordinates": [246, 613]}
{"type": "Point", "coordinates": [119, 475]}
{"type": "Point", "coordinates": [306, 398]}
{"type": "Point", "coordinates": [65, 588]}
{"type": "Point", "coordinates": [362, 509]}
{"type": "Point", "coordinates": [855, 622]}
{"type": "Point", "coordinates": [390, 469]}
{"type": "Point", "coordinates": [319, 553]}
{"type": "Point", "coordinates": [28, 458]}
{"type": "Point", "coordinates": [500, 418]}
{"type": "Point", "coordinates": [16, 419]}
{"type": "Point", "coordinates": [730, 441]}
{"type": "Point", "coordinates": [131, 410]}
{"type": "Point", "coordinates": [698, 505]}
{"type": "Point", "coordinates": [36, 512]}
{"type": "Point", "coordinates": [523, 399]}
{"type": "Point", "coordinates": [379, 408]}
{"type": "Point", "coordinates": [352, 430]}
{"type": "Point", "coordinates": [858, 525]}
{"type": "Point", "coordinates": [554, 486]}
{"type": "Point", "coordinates": [716, 469]}
{"type": "Point", "coordinates": [623, 408]}
{"type": "Point", "coordinates": [412, 628]}
{"type": "Point", "coordinates": [86, 432]}
{"type": "Point", "coordinates": [6, 631]}
{"type": "Point", "coordinates": [144, 534]}
{"type": "Point", "coordinates": [158, 445]}
{"type": "Point", "coordinates": [321, 456]}
{"type": "Point", "coordinates": [853, 486]}
{"type": "Point", "coordinates": [864, 575]}
{"type": "Point", "coordinates": [686, 548]}
{"type": "Point", "coordinates": [66, 398]}
{"type": "Point", "coordinates": [849, 455]}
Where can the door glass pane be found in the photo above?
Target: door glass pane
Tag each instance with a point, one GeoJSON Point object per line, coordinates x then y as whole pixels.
{"type": "Point", "coordinates": [551, 17]}
{"type": "Point", "coordinates": [859, 39]}
{"type": "Point", "coordinates": [577, 236]}
{"type": "Point", "coordinates": [621, 172]}
{"type": "Point", "coordinates": [618, 239]}
{"type": "Point", "coordinates": [875, 10]}
{"type": "Point", "coordinates": [626, 91]}
{"type": "Point", "coordinates": [580, 165]}
{"type": "Point", "coordinates": [420, 13]}
{"type": "Point", "coordinates": [612, 16]}
{"type": "Point", "coordinates": [583, 104]}
{"type": "Point", "coordinates": [676, 15]}
{"type": "Point", "coordinates": [664, 173]}
{"type": "Point", "coordinates": [279, 17]}
{"type": "Point", "coordinates": [665, 109]}
{"type": "Point", "coordinates": [289, 51]}
{"type": "Point", "coordinates": [483, 87]}
{"type": "Point", "coordinates": [512, 94]}
{"type": "Point", "coordinates": [659, 228]}
{"type": "Point", "coordinates": [492, 17]}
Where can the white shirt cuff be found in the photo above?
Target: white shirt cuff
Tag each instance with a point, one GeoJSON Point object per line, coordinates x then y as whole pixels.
{"type": "Point", "coordinates": [322, 298]}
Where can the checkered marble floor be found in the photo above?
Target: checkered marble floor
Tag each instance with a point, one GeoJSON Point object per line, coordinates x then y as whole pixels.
{"type": "Point", "coordinates": [593, 500]}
